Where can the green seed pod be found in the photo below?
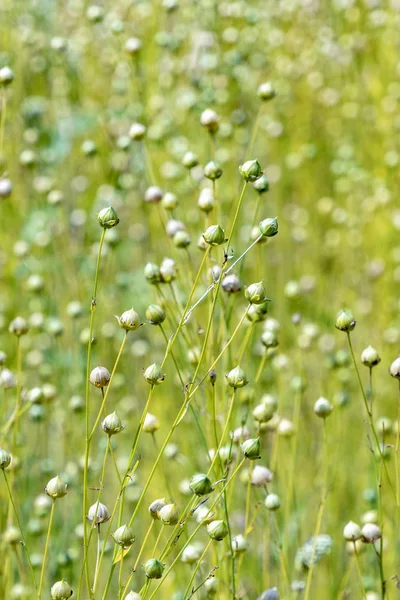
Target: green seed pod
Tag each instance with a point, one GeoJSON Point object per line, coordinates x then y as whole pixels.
{"type": "Point", "coordinates": [206, 200]}
{"type": "Point", "coordinates": [209, 119]}
{"type": "Point", "coordinates": [190, 160]}
{"type": "Point", "coordinates": [200, 484]}
{"type": "Point", "coordinates": [345, 321]}
{"type": "Point", "coordinates": [6, 76]}
{"type": "Point", "coordinates": [370, 357]}
{"type": "Point", "coordinates": [394, 368]}
{"type": "Point", "coordinates": [257, 312]}
{"type": "Point", "coordinates": [5, 459]}
{"type": "Point", "coordinates": [269, 227]}
{"type": "Point", "coordinates": [153, 374]}
{"type": "Point", "coordinates": [61, 591]}
{"type": "Point", "coordinates": [112, 424]}
{"type": "Point", "coordinates": [352, 532]}
{"type": "Point", "coordinates": [12, 536]}
{"type": "Point", "coordinates": [137, 132]}
{"type": "Point", "coordinates": [169, 514]}
{"type": "Point", "coordinates": [155, 315]}
{"type": "Point", "coordinates": [182, 239]}
{"type": "Point", "coordinates": [18, 326]}
{"type": "Point", "coordinates": [251, 170]}
{"type": "Point", "coordinates": [266, 92]}
{"type": "Point", "coordinates": [237, 378]}
{"type": "Point", "coordinates": [251, 448]}
{"type": "Point", "coordinates": [168, 270]}
{"type": "Point", "coordinates": [124, 536]}
{"type": "Point", "coordinates": [272, 502]}
{"type": "Point", "coordinates": [151, 423]}
{"type": "Point", "coordinates": [98, 513]}
{"type": "Point", "coordinates": [155, 508]}
{"type": "Point", "coordinates": [129, 320]}
{"type": "Point", "coordinates": [133, 596]}
{"type": "Point", "coordinates": [217, 530]}
{"type": "Point", "coordinates": [153, 194]}
{"type": "Point", "coordinates": [56, 488]}
{"type": "Point", "coordinates": [261, 185]}
{"type": "Point", "coordinates": [100, 377]}
{"type": "Point", "coordinates": [89, 148]}
{"type": "Point", "coordinates": [255, 293]}
{"type": "Point", "coordinates": [152, 273]}
{"type": "Point", "coordinates": [169, 201]}
{"type": "Point", "coordinates": [262, 413]}
{"type": "Point", "coordinates": [154, 569]}
{"type": "Point", "coordinates": [108, 218]}
{"type": "Point", "coordinates": [269, 338]}
{"type": "Point", "coordinates": [323, 408]}
{"type": "Point", "coordinates": [239, 544]}
{"type": "Point", "coordinates": [133, 45]}
{"type": "Point", "coordinates": [6, 188]}
{"type": "Point", "coordinates": [214, 235]}
{"type": "Point", "coordinates": [212, 170]}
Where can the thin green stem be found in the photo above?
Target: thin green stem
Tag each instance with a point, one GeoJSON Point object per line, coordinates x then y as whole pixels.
{"type": "Point", "coordinates": [186, 595]}
{"type": "Point", "coordinates": [39, 592]}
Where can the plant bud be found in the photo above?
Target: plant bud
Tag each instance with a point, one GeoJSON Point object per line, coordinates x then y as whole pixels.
{"type": "Point", "coordinates": [153, 374]}
{"type": "Point", "coordinates": [129, 320]}
{"type": "Point", "coordinates": [269, 227]}
{"type": "Point", "coordinates": [200, 484]}
{"type": "Point", "coordinates": [370, 357]}
{"type": "Point", "coordinates": [217, 530]}
{"type": "Point", "coordinates": [260, 476]}
{"type": "Point", "coordinates": [155, 315]}
{"type": "Point", "coordinates": [12, 536]}
{"type": "Point", "coordinates": [262, 413]}
{"type": "Point", "coordinates": [108, 218]}
{"type": "Point", "coordinates": [206, 200]}
{"type": "Point", "coordinates": [169, 514]}
{"type": "Point", "coordinates": [209, 120]}
{"type": "Point", "coordinates": [345, 321]}
{"type": "Point", "coordinates": [124, 536]}
{"type": "Point", "coordinates": [285, 428]}
{"type": "Point", "coordinates": [151, 423]}
{"type": "Point", "coordinates": [18, 326]}
{"type": "Point", "coordinates": [5, 459]}
{"type": "Point", "coordinates": [266, 92]}
{"type": "Point", "coordinates": [56, 488]}
{"type": "Point", "coordinates": [153, 194]}
{"type": "Point", "coordinates": [239, 544]}
{"type": "Point", "coordinates": [190, 160]}
{"type": "Point", "coordinates": [351, 532]}
{"type": "Point", "coordinates": [394, 368]}
{"type": "Point", "coordinates": [137, 132]}
{"type": "Point", "coordinates": [211, 586]}
{"type": "Point", "coordinates": [255, 293]}
{"type": "Point", "coordinates": [6, 76]}
{"type": "Point", "coordinates": [261, 185]}
{"type": "Point", "coordinates": [257, 312]}
{"type": "Point", "coordinates": [323, 408]}
{"type": "Point", "coordinates": [237, 378]}
{"type": "Point", "coordinates": [154, 568]}
{"type": "Point", "coordinates": [272, 502]}
{"type": "Point", "coordinates": [212, 170]}
{"type": "Point", "coordinates": [182, 239]}
{"type": "Point", "coordinates": [61, 591]}
{"type": "Point", "coordinates": [168, 270]}
{"type": "Point", "coordinates": [98, 513]}
{"type": "Point", "coordinates": [251, 170]}
{"type": "Point", "coordinates": [251, 448]}
{"type": "Point", "coordinates": [173, 226]}
{"type": "Point", "coordinates": [169, 201]}
{"type": "Point", "coordinates": [191, 554]}
{"type": "Point", "coordinates": [5, 187]}
{"type": "Point", "coordinates": [133, 45]}
{"type": "Point", "coordinates": [214, 235]}
{"type": "Point", "coordinates": [112, 424]}
{"type": "Point", "coordinates": [152, 273]}
{"type": "Point", "coordinates": [155, 508]}
{"type": "Point", "coordinates": [231, 284]}
{"type": "Point", "coordinates": [370, 533]}
{"type": "Point", "coordinates": [212, 376]}
{"type": "Point", "coordinates": [133, 596]}
{"type": "Point", "coordinates": [100, 377]}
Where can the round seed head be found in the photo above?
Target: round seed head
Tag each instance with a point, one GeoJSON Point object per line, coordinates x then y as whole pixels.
{"type": "Point", "coordinates": [394, 368]}
{"type": "Point", "coordinates": [370, 533]}
{"type": "Point", "coordinates": [206, 200]}
{"type": "Point", "coordinates": [269, 227]}
{"type": "Point", "coordinates": [272, 502]}
{"type": "Point", "coordinates": [153, 194]}
{"type": "Point", "coordinates": [18, 326]}
{"type": "Point", "coordinates": [345, 321]}
{"type": "Point", "coordinates": [154, 569]}
{"type": "Point", "coordinates": [231, 284]}
{"type": "Point", "coordinates": [260, 476]}
{"type": "Point", "coordinates": [190, 160]}
{"type": "Point", "coordinates": [56, 488]}
{"type": "Point", "coordinates": [212, 170]}
{"type": "Point", "coordinates": [217, 530]}
{"type": "Point", "coordinates": [200, 484]}
{"type": "Point", "coordinates": [151, 423]}
{"type": "Point", "coordinates": [214, 235]}
{"type": "Point", "coordinates": [261, 185]}
{"type": "Point", "coordinates": [237, 378]}
{"type": "Point", "coordinates": [255, 293]}
{"type": "Point", "coordinates": [266, 92]}
{"type": "Point", "coordinates": [370, 357]}
{"type": "Point", "coordinates": [5, 187]}
{"type": "Point", "coordinates": [155, 315]}
{"type": "Point", "coordinates": [5, 459]}
{"type": "Point", "coordinates": [169, 514]}
{"type": "Point", "coordinates": [129, 320]}
{"type": "Point", "coordinates": [152, 273]}
{"type": "Point", "coordinates": [112, 424]}
{"type": "Point", "coordinates": [98, 513]}
{"type": "Point", "coordinates": [124, 536]}
{"type": "Point", "coordinates": [137, 132]}
{"type": "Point", "coordinates": [251, 448]}
{"type": "Point", "coordinates": [209, 119]}
{"type": "Point", "coordinates": [133, 45]}
{"type": "Point", "coordinates": [6, 76]}
{"type": "Point", "coordinates": [108, 218]}
{"type": "Point", "coordinates": [155, 507]}
{"type": "Point", "coordinates": [61, 591]}
{"type": "Point", "coordinates": [251, 170]}
{"type": "Point", "coordinates": [323, 408]}
{"type": "Point", "coordinates": [352, 532]}
{"type": "Point", "coordinates": [153, 374]}
{"type": "Point", "coordinates": [100, 377]}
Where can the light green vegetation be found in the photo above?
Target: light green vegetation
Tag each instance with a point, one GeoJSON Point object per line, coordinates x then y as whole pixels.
{"type": "Point", "coordinates": [221, 438]}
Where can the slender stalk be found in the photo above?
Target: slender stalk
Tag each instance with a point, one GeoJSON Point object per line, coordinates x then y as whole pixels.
{"type": "Point", "coordinates": [358, 569]}
{"type": "Point", "coordinates": [187, 594]}
{"type": "Point", "coordinates": [396, 453]}
{"type": "Point", "coordinates": [39, 592]}
{"type": "Point", "coordinates": [20, 529]}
